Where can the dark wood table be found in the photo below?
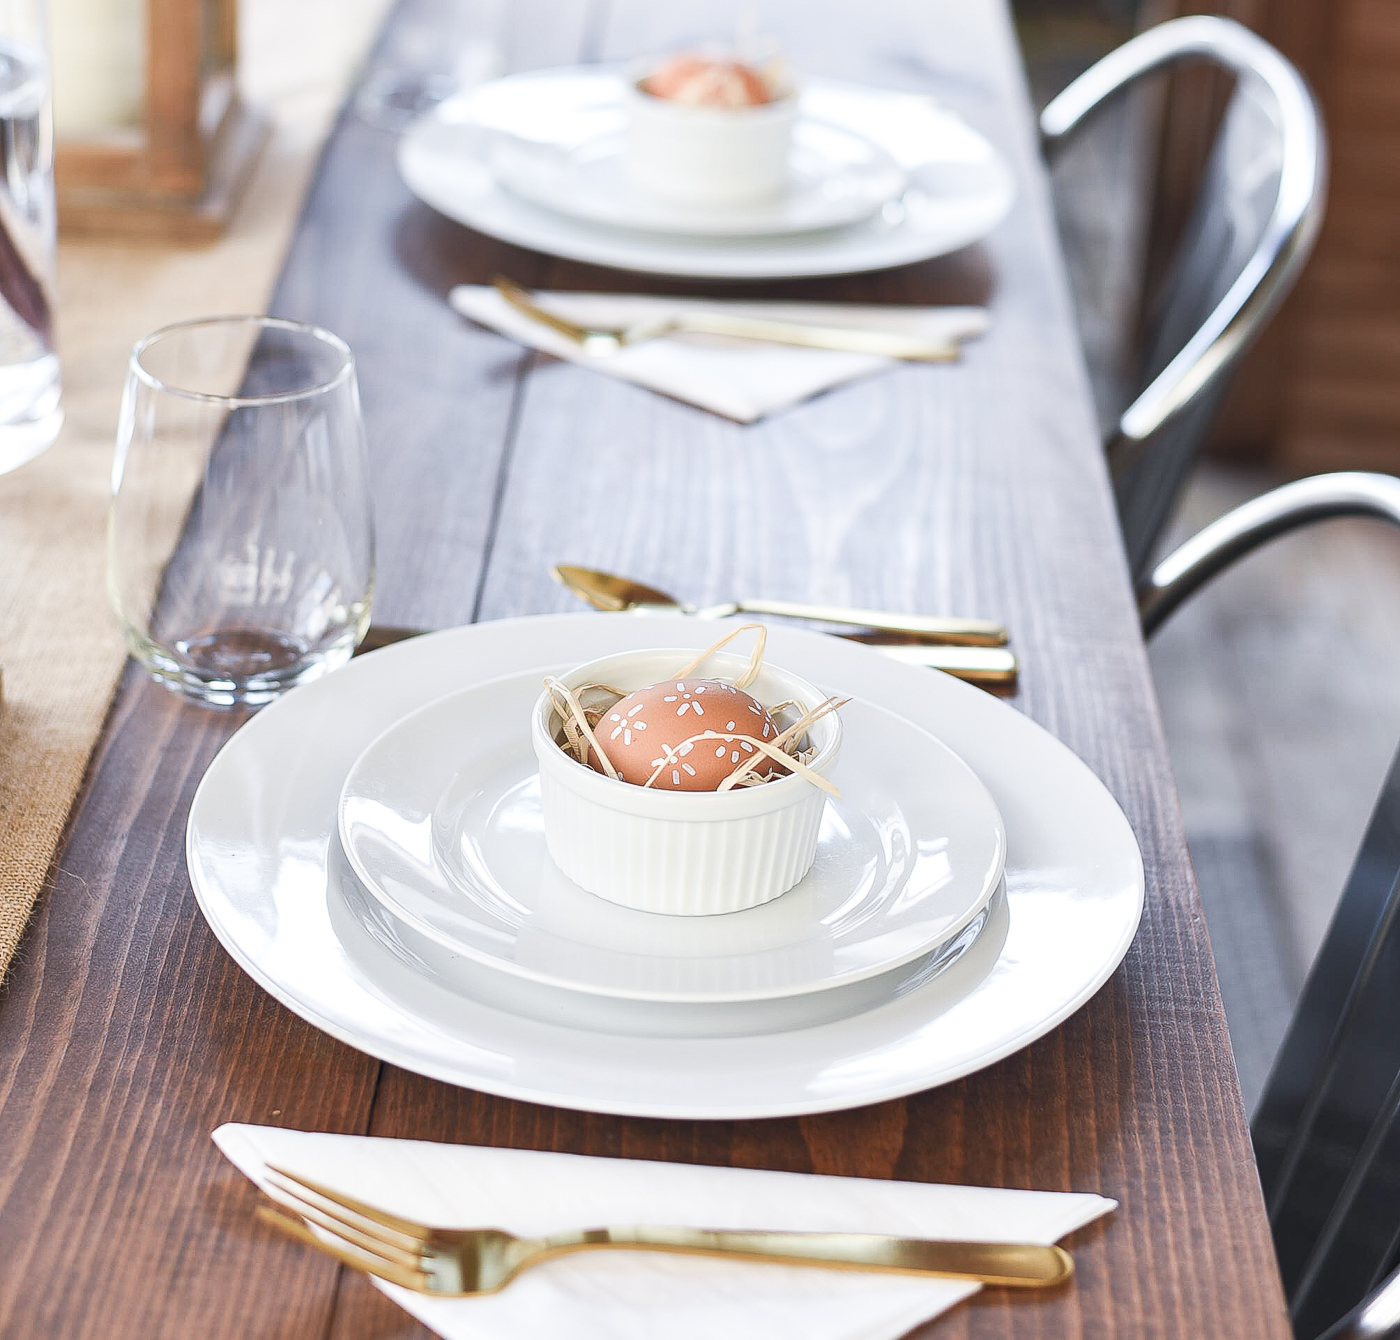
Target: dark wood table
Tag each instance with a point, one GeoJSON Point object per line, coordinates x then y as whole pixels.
{"type": "Point", "coordinates": [127, 1035]}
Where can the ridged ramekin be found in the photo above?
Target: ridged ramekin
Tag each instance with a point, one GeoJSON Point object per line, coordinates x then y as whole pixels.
{"type": "Point", "coordinates": [716, 157]}
{"type": "Point", "coordinates": [685, 853]}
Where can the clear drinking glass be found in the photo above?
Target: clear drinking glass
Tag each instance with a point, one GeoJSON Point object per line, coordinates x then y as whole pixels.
{"type": "Point", "coordinates": [30, 391]}
{"type": "Point", "coordinates": [240, 548]}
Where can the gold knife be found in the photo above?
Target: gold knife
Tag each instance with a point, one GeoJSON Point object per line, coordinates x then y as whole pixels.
{"type": "Point", "coordinates": [604, 340]}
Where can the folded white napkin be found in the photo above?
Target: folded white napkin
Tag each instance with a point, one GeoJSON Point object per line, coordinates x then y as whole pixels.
{"type": "Point", "coordinates": [622, 1295]}
{"type": "Point", "coordinates": [740, 379]}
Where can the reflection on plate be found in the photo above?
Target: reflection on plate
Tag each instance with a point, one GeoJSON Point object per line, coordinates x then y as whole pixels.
{"type": "Point", "coordinates": [441, 820]}
{"type": "Point", "coordinates": [834, 178]}
{"type": "Point", "coordinates": [958, 186]}
{"type": "Point", "coordinates": [412, 968]}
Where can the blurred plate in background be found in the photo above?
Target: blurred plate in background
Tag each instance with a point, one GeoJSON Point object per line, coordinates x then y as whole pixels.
{"type": "Point", "coordinates": [958, 186]}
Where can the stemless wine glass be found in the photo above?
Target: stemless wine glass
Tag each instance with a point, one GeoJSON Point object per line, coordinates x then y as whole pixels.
{"type": "Point", "coordinates": [240, 547]}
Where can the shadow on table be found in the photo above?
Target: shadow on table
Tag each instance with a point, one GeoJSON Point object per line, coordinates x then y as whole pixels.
{"type": "Point", "coordinates": [438, 254]}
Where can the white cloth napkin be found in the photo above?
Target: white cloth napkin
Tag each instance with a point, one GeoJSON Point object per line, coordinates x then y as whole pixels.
{"type": "Point", "coordinates": [638, 1295]}
{"type": "Point", "coordinates": [740, 379]}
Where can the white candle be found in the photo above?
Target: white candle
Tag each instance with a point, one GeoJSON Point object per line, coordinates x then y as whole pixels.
{"type": "Point", "coordinates": [99, 65]}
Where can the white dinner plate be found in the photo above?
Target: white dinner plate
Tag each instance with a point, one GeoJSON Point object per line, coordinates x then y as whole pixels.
{"type": "Point", "coordinates": [441, 820]}
{"type": "Point", "coordinates": [958, 187]}
{"type": "Point", "coordinates": [261, 839]}
{"type": "Point", "coordinates": [834, 178]}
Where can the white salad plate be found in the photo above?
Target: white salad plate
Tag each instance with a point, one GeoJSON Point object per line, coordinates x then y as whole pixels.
{"type": "Point", "coordinates": [442, 822]}
{"type": "Point", "coordinates": [272, 883]}
{"type": "Point", "coordinates": [470, 159]}
{"type": "Point", "coordinates": [834, 178]}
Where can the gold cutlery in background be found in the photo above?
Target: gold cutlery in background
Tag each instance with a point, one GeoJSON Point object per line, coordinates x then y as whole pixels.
{"type": "Point", "coordinates": [464, 1261]}
{"type": "Point", "coordinates": [607, 591]}
{"type": "Point", "coordinates": [990, 668]}
{"type": "Point", "coordinates": [604, 340]}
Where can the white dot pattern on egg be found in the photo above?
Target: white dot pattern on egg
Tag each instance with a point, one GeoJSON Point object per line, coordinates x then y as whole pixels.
{"type": "Point", "coordinates": [655, 728]}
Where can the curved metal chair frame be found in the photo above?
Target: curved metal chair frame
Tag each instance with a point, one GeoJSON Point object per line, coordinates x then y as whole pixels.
{"type": "Point", "coordinates": [1254, 523]}
{"type": "Point", "coordinates": [1378, 1318]}
{"type": "Point", "coordinates": [1197, 372]}
{"type": "Point", "coordinates": [1327, 1128]}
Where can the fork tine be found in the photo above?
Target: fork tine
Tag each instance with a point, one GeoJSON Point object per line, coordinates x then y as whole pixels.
{"type": "Point", "coordinates": [344, 1252]}
{"type": "Point", "coordinates": [361, 1234]}
{"type": "Point", "coordinates": [340, 1204]}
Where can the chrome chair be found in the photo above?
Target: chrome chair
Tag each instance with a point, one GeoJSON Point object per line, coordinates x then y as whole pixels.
{"type": "Point", "coordinates": [1327, 1127]}
{"type": "Point", "coordinates": [1255, 219]}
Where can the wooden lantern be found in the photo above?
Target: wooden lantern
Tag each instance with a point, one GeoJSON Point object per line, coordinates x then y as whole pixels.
{"type": "Point", "coordinates": [179, 172]}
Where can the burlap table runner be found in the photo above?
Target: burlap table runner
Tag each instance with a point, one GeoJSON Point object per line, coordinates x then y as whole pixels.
{"type": "Point", "coordinates": [59, 645]}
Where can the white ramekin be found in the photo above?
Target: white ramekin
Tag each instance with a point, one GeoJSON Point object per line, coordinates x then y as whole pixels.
{"type": "Point", "coordinates": [686, 853]}
{"type": "Point", "coordinates": [708, 156]}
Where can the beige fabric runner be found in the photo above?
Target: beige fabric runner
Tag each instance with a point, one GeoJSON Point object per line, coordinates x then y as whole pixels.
{"type": "Point", "coordinates": [59, 646]}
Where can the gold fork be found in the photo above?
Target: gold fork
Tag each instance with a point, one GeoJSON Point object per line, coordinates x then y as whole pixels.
{"type": "Point", "coordinates": [604, 340]}
{"type": "Point", "coordinates": [459, 1262]}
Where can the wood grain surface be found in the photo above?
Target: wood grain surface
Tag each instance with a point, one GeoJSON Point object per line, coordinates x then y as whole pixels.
{"type": "Point", "coordinates": [127, 1034]}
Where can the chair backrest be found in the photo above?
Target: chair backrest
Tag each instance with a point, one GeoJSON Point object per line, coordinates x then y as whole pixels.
{"type": "Point", "coordinates": [1254, 222]}
{"type": "Point", "coordinates": [1327, 1127]}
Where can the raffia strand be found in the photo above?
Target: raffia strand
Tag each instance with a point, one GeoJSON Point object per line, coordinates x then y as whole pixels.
{"type": "Point", "coordinates": [765, 746]}
{"type": "Point", "coordinates": [755, 656]}
{"type": "Point", "coordinates": [794, 733]}
{"type": "Point", "coordinates": [572, 710]}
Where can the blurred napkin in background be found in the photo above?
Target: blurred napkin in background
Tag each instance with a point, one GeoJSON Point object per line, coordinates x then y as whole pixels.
{"type": "Point", "coordinates": [740, 379]}
{"type": "Point", "coordinates": [638, 1295]}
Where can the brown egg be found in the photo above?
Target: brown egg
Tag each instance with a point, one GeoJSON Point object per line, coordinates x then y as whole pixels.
{"type": "Point", "coordinates": [706, 81]}
{"type": "Point", "coordinates": [655, 727]}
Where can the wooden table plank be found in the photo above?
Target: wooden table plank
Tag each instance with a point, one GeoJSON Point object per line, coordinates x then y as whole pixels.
{"type": "Point", "coordinates": [978, 488]}
{"type": "Point", "coordinates": [438, 395]}
{"type": "Point", "coordinates": [128, 1035]}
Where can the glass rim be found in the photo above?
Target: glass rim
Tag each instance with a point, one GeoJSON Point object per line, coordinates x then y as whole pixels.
{"type": "Point", "coordinates": [319, 333]}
